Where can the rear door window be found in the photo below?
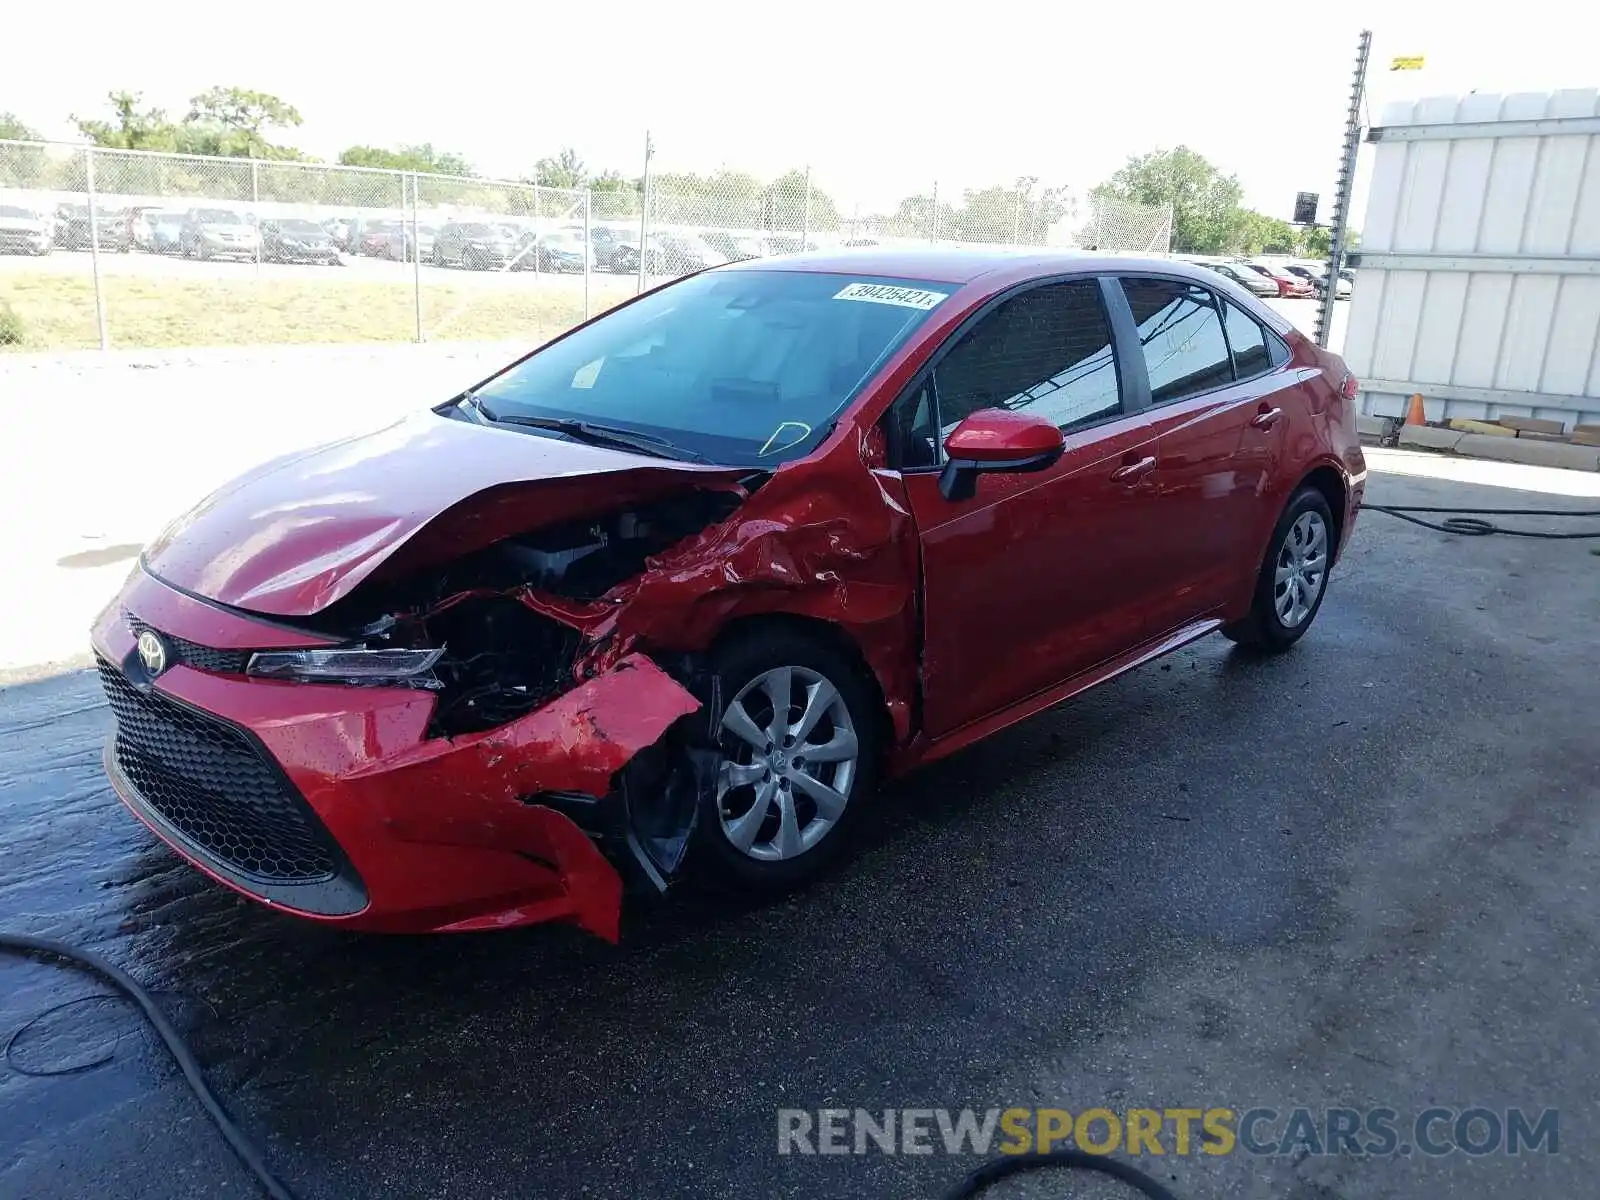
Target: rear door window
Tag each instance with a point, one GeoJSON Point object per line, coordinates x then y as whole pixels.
{"type": "Point", "coordinates": [1047, 350]}
{"type": "Point", "coordinates": [1180, 334]}
{"type": "Point", "coordinates": [1248, 342]}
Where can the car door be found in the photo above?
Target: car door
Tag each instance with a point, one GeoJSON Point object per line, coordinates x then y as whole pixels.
{"type": "Point", "coordinates": [1217, 415]}
{"type": "Point", "coordinates": [1038, 576]}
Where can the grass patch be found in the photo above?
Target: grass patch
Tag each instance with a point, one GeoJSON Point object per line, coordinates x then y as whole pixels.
{"type": "Point", "coordinates": [56, 312]}
{"type": "Point", "coordinates": [12, 332]}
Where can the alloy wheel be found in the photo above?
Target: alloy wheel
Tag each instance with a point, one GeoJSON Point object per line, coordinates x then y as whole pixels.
{"type": "Point", "coordinates": [790, 756]}
{"type": "Point", "coordinates": [1302, 569]}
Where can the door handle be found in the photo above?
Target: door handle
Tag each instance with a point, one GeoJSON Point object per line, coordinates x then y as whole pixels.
{"type": "Point", "coordinates": [1134, 471]}
{"type": "Point", "coordinates": [1266, 418]}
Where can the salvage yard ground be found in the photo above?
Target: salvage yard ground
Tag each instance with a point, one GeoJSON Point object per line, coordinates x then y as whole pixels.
{"type": "Point", "coordinates": [1361, 874]}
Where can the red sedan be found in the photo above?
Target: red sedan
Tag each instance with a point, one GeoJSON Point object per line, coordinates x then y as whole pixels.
{"type": "Point", "coordinates": [1291, 286]}
{"type": "Point", "coordinates": [675, 591]}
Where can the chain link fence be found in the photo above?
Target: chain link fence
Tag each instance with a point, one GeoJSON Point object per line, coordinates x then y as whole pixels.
{"type": "Point", "coordinates": [130, 248]}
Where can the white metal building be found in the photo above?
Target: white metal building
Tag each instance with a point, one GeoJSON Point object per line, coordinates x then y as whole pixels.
{"type": "Point", "coordinates": [1478, 276]}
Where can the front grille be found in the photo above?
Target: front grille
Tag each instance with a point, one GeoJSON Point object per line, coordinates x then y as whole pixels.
{"type": "Point", "coordinates": [192, 654]}
{"type": "Point", "coordinates": [213, 785]}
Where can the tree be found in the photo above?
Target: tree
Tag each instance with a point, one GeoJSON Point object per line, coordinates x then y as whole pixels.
{"type": "Point", "coordinates": [793, 202]}
{"type": "Point", "coordinates": [922, 216]}
{"type": "Point", "coordinates": [1016, 214]}
{"type": "Point", "coordinates": [564, 169]}
{"type": "Point", "coordinates": [1318, 238]}
{"type": "Point", "coordinates": [419, 157]}
{"type": "Point", "coordinates": [12, 129]}
{"type": "Point", "coordinates": [1204, 201]}
{"type": "Point", "coordinates": [234, 122]}
{"type": "Point", "coordinates": [131, 127]}
{"type": "Point", "coordinates": [1256, 233]}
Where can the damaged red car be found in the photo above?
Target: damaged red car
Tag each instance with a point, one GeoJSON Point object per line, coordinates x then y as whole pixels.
{"type": "Point", "coordinates": [674, 592]}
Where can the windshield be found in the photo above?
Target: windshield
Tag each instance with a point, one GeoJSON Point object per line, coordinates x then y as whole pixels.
{"type": "Point", "coordinates": [218, 216]}
{"type": "Point", "coordinates": [300, 227]}
{"type": "Point", "coordinates": [11, 210]}
{"type": "Point", "coordinates": [747, 368]}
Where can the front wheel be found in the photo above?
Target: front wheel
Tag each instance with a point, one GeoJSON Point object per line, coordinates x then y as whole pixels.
{"type": "Point", "coordinates": [799, 743]}
{"type": "Point", "coordinates": [1293, 578]}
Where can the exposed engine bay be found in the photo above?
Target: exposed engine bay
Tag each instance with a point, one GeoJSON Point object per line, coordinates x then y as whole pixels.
{"type": "Point", "coordinates": [503, 656]}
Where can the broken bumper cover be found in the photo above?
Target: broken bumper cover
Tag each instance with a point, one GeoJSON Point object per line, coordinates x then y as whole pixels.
{"type": "Point", "coordinates": [332, 802]}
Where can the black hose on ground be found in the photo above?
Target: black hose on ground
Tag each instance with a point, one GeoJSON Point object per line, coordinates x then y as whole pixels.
{"type": "Point", "coordinates": [995, 1170]}
{"type": "Point", "coordinates": [249, 1154]}
{"type": "Point", "coordinates": [1476, 526]}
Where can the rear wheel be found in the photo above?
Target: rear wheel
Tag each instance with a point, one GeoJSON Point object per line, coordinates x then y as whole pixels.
{"type": "Point", "coordinates": [799, 746]}
{"type": "Point", "coordinates": [1293, 578]}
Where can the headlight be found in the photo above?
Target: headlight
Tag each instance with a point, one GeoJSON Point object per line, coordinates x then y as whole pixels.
{"type": "Point", "coordinates": [405, 668]}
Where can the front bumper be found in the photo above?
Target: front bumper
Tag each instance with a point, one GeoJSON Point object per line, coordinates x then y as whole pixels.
{"type": "Point", "coordinates": [332, 802]}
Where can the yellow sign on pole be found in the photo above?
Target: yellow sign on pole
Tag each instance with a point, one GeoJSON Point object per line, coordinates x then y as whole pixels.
{"type": "Point", "coordinates": [1410, 63]}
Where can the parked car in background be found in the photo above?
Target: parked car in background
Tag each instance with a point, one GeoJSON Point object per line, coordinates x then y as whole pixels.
{"type": "Point", "coordinates": [1255, 281]}
{"type": "Point", "coordinates": [1290, 286]}
{"type": "Point", "coordinates": [343, 232]}
{"type": "Point", "coordinates": [217, 233]}
{"type": "Point", "coordinates": [166, 232]}
{"type": "Point", "coordinates": [562, 252]}
{"type": "Point", "coordinates": [785, 244]}
{"type": "Point", "coordinates": [475, 245]}
{"type": "Point", "coordinates": [603, 242]}
{"type": "Point", "coordinates": [1343, 289]}
{"type": "Point", "coordinates": [1305, 271]}
{"type": "Point", "coordinates": [110, 225]}
{"type": "Point", "coordinates": [732, 248]}
{"type": "Point", "coordinates": [402, 245]}
{"type": "Point", "coordinates": [375, 236]}
{"type": "Point", "coordinates": [141, 226]}
{"type": "Point", "coordinates": [669, 254]}
{"type": "Point", "coordinates": [25, 230]}
{"type": "Point", "coordinates": [297, 240]}
{"type": "Point", "coordinates": [650, 601]}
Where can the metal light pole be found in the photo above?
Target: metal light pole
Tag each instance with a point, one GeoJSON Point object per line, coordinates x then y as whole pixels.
{"type": "Point", "coordinates": [805, 213]}
{"type": "Point", "coordinates": [416, 251]}
{"type": "Point", "coordinates": [1343, 188]}
{"type": "Point", "coordinates": [94, 248]}
{"type": "Point", "coordinates": [588, 247]}
{"type": "Point", "coordinates": [255, 205]}
{"type": "Point", "coordinates": [644, 208]}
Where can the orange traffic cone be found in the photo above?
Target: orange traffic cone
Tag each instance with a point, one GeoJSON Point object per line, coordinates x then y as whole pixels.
{"type": "Point", "coordinates": [1415, 413]}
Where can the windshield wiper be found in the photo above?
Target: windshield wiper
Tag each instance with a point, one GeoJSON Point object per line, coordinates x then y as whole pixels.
{"type": "Point", "coordinates": [592, 432]}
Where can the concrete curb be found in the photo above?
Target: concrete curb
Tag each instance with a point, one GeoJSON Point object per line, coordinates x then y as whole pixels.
{"type": "Point", "coordinates": [1532, 452]}
{"type": "Point", "coordinates": [1529, 451]}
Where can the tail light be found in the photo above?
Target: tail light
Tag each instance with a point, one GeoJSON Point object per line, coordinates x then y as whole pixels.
{"type": "Point", "coordinates": [1350, 387]}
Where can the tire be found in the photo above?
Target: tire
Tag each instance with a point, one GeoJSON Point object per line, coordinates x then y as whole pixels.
{"type": "Point", "coordinates": [776, 859]}
{"type": "Point", "coordinates": [1302, 539]}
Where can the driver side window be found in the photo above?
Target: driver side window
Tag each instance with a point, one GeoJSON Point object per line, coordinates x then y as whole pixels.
{"type": "Point", "coordinates": [1047, 350]}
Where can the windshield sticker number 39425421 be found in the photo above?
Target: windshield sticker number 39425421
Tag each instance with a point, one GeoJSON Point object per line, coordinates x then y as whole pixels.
{"type": "Point", "coordinates": [888, 293]}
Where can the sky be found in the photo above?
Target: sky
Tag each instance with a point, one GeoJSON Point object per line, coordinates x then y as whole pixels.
{"type": "Point", "coordinates": [880, 98]}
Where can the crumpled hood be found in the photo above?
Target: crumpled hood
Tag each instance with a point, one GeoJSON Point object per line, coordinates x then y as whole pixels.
{"type": "Point", "coordinates": [298, 533]}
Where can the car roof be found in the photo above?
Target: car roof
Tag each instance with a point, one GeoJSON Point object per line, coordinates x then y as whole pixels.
{"type": "Point", "coordinates": [964, 264]}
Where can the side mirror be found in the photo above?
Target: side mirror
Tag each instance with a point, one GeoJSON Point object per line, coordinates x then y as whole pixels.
{"type": "Point", "coordinates": [995, 440]}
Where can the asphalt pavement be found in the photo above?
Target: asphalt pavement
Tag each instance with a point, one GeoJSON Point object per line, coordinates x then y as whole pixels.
{"type": "Point", "coordinates": [1362, 874]}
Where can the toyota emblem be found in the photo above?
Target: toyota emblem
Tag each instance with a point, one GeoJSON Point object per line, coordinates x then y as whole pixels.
{"type": "Point", "coordinates": [152, 653]}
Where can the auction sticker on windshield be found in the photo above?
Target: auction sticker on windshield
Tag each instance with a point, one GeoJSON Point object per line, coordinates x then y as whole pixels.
{"type": "Point", "coordinates": [888, 293]}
